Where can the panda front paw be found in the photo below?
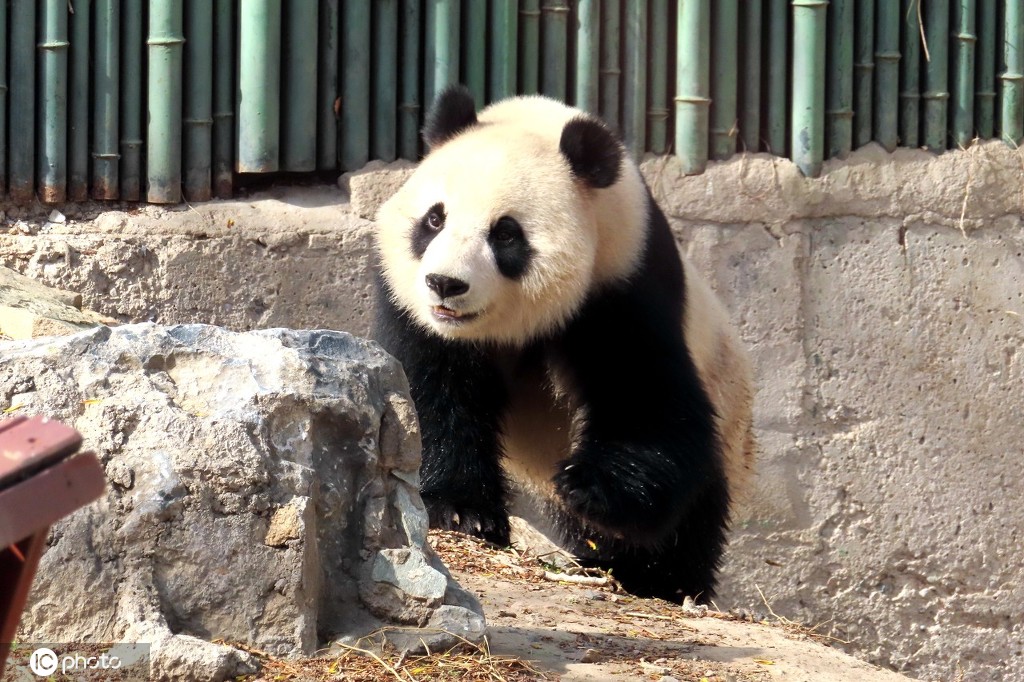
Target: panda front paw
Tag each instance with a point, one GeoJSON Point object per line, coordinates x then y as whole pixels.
{"type": "Point", "coordinates": [612, 499]}
{"type": "Point", "coordinates": [491, 525]}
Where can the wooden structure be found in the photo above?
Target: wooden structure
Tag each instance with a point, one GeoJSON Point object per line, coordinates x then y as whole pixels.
{"type": "Point", "coordinates": [40, 483]}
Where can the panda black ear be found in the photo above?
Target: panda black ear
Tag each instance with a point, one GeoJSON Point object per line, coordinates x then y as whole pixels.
{"type": "Point", "coordinates": [593, 151]}
{"type": "Point", "coordinates": [452, 112]}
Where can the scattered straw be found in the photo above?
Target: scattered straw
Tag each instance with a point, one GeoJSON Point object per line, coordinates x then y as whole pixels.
{"type": "Point", "coordinates": [467, 661]}
{"type": "Point", "coordinates": [795, 628]}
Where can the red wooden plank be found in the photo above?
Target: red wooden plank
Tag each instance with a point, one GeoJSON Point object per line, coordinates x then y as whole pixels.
{"type": "Point", "coordinates": [28, 445]}
{"type": "Point", "coordinates": [50, 495]}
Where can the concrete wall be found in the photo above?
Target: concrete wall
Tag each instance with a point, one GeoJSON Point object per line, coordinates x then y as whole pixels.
{"type": "Point", "coordinates": [884, 308]}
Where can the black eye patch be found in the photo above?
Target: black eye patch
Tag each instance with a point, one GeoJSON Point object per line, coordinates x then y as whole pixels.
{"type": "Point", "coordinates": [427, 227]}
{"type": "Point", "coordinates": [512, 251]}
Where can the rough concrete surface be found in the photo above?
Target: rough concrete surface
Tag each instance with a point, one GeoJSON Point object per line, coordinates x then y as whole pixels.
{"type": "Point", "coordinates": [884, 307]}
{"type": "Point", "coordinates": [262, 489]}
{"type": "Point", "coordinates": [29, 309]}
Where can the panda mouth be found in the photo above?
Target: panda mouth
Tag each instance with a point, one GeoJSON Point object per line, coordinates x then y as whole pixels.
{"type": "Point", "coordinates": [450, 316]}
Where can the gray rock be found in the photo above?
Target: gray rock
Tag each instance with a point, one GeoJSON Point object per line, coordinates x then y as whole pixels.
{"type": "Point", "coordinates": [262, 489]}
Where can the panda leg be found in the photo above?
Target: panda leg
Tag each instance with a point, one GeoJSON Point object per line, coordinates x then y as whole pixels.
{"type": "Point", "coordinates": [645, 466]}
{"type": "Point", "coordinates": [460, 397]}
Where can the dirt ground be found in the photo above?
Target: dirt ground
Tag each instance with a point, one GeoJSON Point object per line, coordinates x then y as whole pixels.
{"type": "Point", "coordinates": [540, 628]}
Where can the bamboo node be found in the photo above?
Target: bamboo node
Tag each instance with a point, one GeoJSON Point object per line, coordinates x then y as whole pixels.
{"type": "Point", "coordinates": [692, 99]}
{"type": "Point", "coordinates": [167, 40]}
{"type": "Point", "coordinates": [106, 156]}
{"type": "Point", "coordinates": [657, 113]}
{"type": "Point", "coordinates": [53, 45]}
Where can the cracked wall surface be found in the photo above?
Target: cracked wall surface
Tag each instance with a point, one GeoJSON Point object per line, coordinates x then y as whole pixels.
{"type": "Point", "coordinates": [883, 305]}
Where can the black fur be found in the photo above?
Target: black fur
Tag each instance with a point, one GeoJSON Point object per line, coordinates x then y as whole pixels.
{"type": "Point", "coordinates": [593, 151]}
{"type": "Point", "coordinates": [512, 251]}
{"type": "Point", "coordinates": [460, 397]}
{"type": "Point", "coordinates": [644, 481]}
{"type": "Point", "coordinates": [424, 232]}
{"type": "Point", "coordinates": [452, 112]}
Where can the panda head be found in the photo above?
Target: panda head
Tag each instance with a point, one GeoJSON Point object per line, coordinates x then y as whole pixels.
{"type": "Point", "coordinates": [510, 220]}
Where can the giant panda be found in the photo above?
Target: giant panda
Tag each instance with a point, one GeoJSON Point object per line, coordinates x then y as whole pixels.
{"type": "Point", "coordinates": [557, 345]}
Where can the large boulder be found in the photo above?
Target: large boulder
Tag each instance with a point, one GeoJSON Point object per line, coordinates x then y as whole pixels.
{"type": "Point", "coordinates": [262, 489]}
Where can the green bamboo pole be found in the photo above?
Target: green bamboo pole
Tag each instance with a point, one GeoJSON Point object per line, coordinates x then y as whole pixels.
{"type": "Point", "coordinates": [807, 137]}
{"type": "Point", "coordinates": [105, 100]}
{"type": "Point", "coordinates": [163, 135]}
{"type": "Point", "coordinates": [750, 94]}
{"type": "Point", "coordinates": [52, 166]}
{"type": "Point", "coordinates": [588, 45]}
{"type": "Point", "coordinates": [910, 65]}
{"type": "Point", "coordinates": [634, 100]}
{"type": "Point", "coordinates": [936, 72]}
{"type": "Point", "coordinates": [887, 74]}
{"type": "Point", "coordinates": [1012, 113]}
{"type": "Point", "coordinates": [962, 77]}
{"type": "Point", "coordinates": [198, 113]}
{"type": "Point", "coordinates": [355, 84]}
{"type": "Point", "coordinates": [529, 46]}
{"type": "Point", "coordinates": [503, 46]}
{"type": "Point", "coordinates": [385, 79]}
{"type": "Point", "coordinates": [22, 118]}
{"type": "Point", "coordinates": [474, 50]}
{"type": "Point", "coordinates": [776, 77]}
{"type": "Point", "coordinates": [329, 26]}
{"type": "Point", "coordinates": [224, 98]}
{"type": "Point", "coordinates": [985, 76]}
{"type": "Point", "coordinates": [555, 46]}
{"type": "Point", "coordinates": [132, 58]}
{"type": "Point", "coordinates": [298, 86]}
{"type": "Point", "coordinates": [724, 72]}
{"type": "Point", "coordinates": [259, 86]}
{"type": "Point", "coordinates": [3, 101]}
{"type": "Point", "coordinates": [657, 65]}
{"type": "Point", "coordinates": [442, 47]}
{"type": "Point", "coordinates": [839, 97]}
{"type": "Point", "coordinates": [611, 67]}
{"type": "Point", "coordinates": [78, 104]}
{"type": "Point", "coordinates": [409, 82]}
{"type": "Point", "coordinates": [863, 72]}
{"type": "Point", "coordinates": [693, 84]}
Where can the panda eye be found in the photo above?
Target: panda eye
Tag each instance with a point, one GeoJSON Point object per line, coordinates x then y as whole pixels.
{"type": "Point", "coordinates": [435, 218]}
{"type": "Point", "coordinates": [506, 231]}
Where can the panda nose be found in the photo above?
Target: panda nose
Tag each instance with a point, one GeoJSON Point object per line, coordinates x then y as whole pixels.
{"type": "Point", "coordinates": [445, 286]}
